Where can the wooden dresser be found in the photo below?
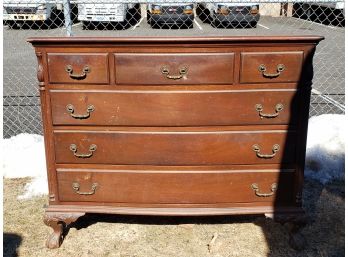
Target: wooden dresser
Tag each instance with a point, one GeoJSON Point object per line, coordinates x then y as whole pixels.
{"type": "Point", "coordinates": [174, 126]}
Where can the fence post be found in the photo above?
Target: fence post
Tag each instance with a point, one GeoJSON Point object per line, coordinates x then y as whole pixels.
{"type": "Point", "coordinates": [67, 17]}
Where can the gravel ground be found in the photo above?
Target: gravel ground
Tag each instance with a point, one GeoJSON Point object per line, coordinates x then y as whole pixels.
{"type": "Point", "coordinates": [135, 236]}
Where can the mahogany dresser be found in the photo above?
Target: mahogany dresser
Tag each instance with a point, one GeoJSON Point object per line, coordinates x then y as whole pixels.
{"type": "Point", "coordinates": [174, 126]}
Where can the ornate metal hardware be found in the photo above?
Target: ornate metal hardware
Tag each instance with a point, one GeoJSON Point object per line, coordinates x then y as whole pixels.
{"type": "Point", "coordinates": [92, 148]}
{"type": "Point", "coordinates": [76, 187]}
{"type": "Point", "coordinates": [182, 72]}
{"type": "Point", "coordinates": [278, 109]}
{"type": "Point", "coordinates": [263, 69]}
{"type": "Point", "coordinates": [255, 187]}
{"type": "Point", "coordinates": [257, 149]}
{"type": "Point", "coordinates": [71, 109]}
{"type": "Point", "coordinates": [69, 69]}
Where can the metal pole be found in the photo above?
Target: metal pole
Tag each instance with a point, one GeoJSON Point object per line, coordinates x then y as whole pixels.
{"type": "Point", "coordinates": [67, 17]}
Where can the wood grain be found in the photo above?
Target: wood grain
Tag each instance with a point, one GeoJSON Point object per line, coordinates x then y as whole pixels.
{"type": "Point", "coordinates": [181, 187]}
{"type": "Point", "coordinates": [146, 68]}
{"type": "Point", "coordinates": [174, 148]}
{"type": "Point", "coordinates": [250, 62]}
{"type": "Point", "coordinates": [98, 64]}
{"type": "Point", "coordinates": [173, 108]}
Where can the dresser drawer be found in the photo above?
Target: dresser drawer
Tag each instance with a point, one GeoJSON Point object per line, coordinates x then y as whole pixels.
{"type": "Point", "coordinates": [176, 187]}
{"type": "Point", "coordinates": [78, 68]}
{"type": "Point", "coordinates": [134, 146]}
{"type": "Point", "coordinates": [174, 68]}
{"type": "Point", "coordinates": [174, 108]}
{"type": "Point", "coordinates": [267, 67]}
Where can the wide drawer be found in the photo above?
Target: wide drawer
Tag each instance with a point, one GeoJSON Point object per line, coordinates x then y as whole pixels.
{"type": "Point", "coordinates": [78, 68]}
{"type": "Point", "coordinates": [267, 67]}
{"type": "Point", "coordinates": [174, 68]}
{"type": "Point", "coordinates": [175, 108]}
{"type": "Point", "coordinates": [176, 187]}
{"type": "Point", "coordinates": [134, 146]}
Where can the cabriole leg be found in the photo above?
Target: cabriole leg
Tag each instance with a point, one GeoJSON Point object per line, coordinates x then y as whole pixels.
{"type": "Point", "coordinates": [58, 221]}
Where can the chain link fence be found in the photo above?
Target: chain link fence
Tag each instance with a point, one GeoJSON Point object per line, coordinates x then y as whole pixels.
{"type": "Point", "coordinates": [26, 18]}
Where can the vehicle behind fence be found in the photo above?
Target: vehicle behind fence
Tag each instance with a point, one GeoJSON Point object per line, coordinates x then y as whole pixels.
{"type": "Point", "coordinates": [26, 18]}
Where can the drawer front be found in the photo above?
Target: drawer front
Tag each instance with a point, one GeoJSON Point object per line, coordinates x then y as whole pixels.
{"type": "Point", "coordinates": [267, 67]}
{"type": "Point", "coordinates": [174, 108]}
{"type": "Point", "coordinates": [176, 68]}
{"type": "Point", "coordinates": [78, 68]}
{"type": "Point", "coordinates": [175, 187]}
{"type": "Point", "coordinates": [174, 148]}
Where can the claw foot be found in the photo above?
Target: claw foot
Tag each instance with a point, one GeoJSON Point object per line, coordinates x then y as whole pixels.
{"type": "Point", "coordinates": [58, 221]}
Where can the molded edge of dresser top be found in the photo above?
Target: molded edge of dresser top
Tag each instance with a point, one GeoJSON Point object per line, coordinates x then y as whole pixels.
{"type": "Point", "coordinates": [175, 40]}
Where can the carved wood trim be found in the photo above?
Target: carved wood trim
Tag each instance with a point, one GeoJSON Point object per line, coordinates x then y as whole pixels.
{"type": "Point", "coordinates": [40, 71]}
{"type": "Point", "coordinates": [58, 221]}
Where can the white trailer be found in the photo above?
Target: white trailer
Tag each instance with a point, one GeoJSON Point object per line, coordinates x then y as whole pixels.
{"type": "Point", "coordinates": [107, 13]}
{"type": "Point", "coordinates": [17, 12]}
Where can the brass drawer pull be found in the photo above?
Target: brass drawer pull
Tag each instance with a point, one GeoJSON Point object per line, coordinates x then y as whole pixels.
{"type": "Point", "coordinates": [71, 109]}
{"type": "Point", "coordinates": [278, 109]}
{"type": "Point", "coordinates": [69, 69]}
{"type": "Point", "coordinates": [280, 68]}
{"type": "Point", "coordinates": [255, 187]}
{"type": "Point", "coordinates": [92, 148]}
{"type": "Point", "coordinates": [257, 149]}
{"type": "Point", "coordinates": [76, 187]}
{"type": "Point", "coordinates": [182, 72]}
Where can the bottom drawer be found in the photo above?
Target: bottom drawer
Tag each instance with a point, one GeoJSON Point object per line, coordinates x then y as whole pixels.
{"type": "Point", "coordinates": [175, 187]}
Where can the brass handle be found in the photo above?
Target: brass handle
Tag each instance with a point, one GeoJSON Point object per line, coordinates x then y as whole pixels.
{"type": "Point", "coordinates": [71, 109]}
{"type": "Point", "coordinates": [182, 72]}
{"type": "Point", "coordinates": [257, 149]}
{"type": "Point", "coordinates": [255, 187]}
{"type": "Point", "coordinates": [280, 68]}
{"type": "Point", "coordinates": [92, 148]}
{"type": "Point", "coordinates": [69, 69]}
{"type": "Point", "coordinates": [76, 187]}
{"type": "Point", "coordinates": [278, 108]}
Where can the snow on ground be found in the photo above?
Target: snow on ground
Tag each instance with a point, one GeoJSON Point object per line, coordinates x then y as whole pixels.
{"type": "Point", "coordinates": [24, 154]}
{"type": "Point", "coordinates": [325, 156]}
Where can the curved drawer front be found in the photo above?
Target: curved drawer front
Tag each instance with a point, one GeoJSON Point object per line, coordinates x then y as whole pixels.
{"type": "Point", "coordinates": [175, 187]}
{"type": "Point", "coordinates": [180, 108]}
{"type": "Point", "coordinates": [176, 68]}
{"type": "Point", "coordinates": [269, 67]}
{"type": "Point", "coordinates": [78, 68]}
{"type": "Point", "coordinates": [174, 148]}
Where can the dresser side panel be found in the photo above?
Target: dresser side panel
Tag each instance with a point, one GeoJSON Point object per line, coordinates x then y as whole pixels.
{"type": "Point", "coordinates": [42, 76]}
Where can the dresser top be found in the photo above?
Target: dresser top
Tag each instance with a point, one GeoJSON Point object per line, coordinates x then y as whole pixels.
{"type": "Point", "coordinates": [311, 39]}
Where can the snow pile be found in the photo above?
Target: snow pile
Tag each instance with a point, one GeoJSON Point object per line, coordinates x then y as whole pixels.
{"type": "Point", "coordinates": [24, 156]}
{"type": "Point", "coordinates": [325, 148]}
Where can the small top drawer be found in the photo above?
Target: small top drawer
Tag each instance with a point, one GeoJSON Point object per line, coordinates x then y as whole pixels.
{"type": "Point", "coordinates": [174, 68]}
{"type": "Point", "coordinates": [78, 68]}
{"type": "Point", "coordinates": [266, 67]}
